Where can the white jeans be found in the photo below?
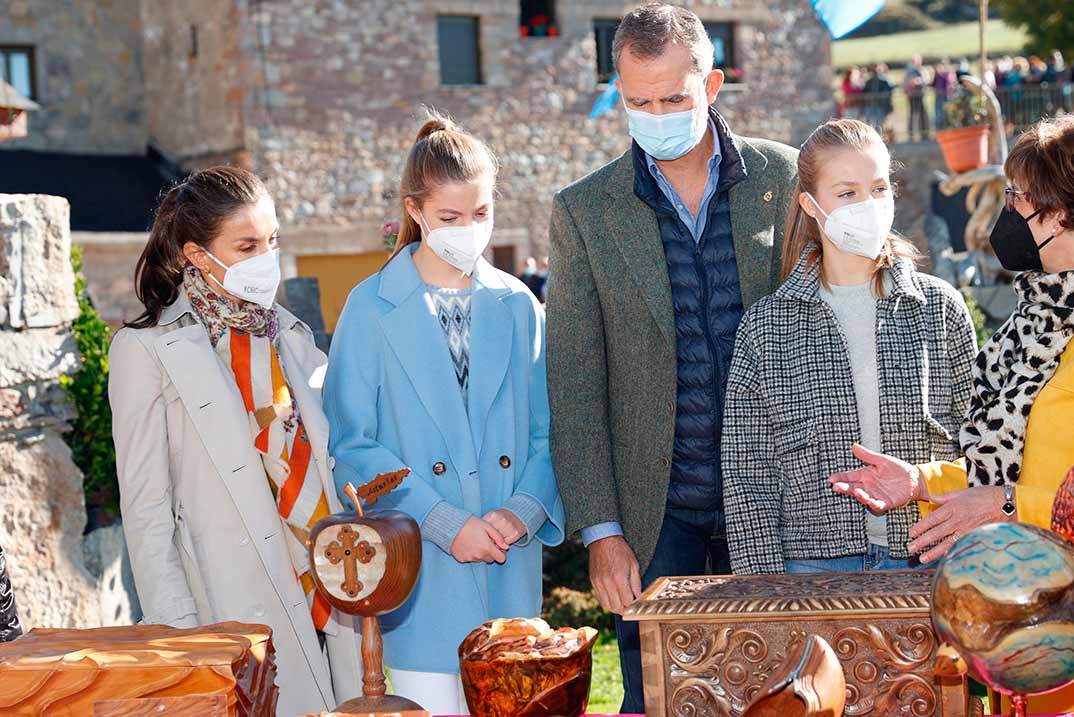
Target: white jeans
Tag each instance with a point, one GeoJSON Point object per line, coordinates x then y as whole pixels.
{"type": "Point", "coordinates": [437, 692]}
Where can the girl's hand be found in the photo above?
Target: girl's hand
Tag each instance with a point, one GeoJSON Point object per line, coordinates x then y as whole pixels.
{"type": "Point", "coordinates": [479, 542]}
{"type": "Point", "coordinates": [960, 512]}
{"type": "Point", "coordinates": [883, 484]}
{"type": "Point", "coordinates": [507, 523]}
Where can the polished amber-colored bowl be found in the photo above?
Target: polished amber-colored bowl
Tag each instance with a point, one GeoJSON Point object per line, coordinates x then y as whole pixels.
{"type": "Point", "coordinates": [523, 668]}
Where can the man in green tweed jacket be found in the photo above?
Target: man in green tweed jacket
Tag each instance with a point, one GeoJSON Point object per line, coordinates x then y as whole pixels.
{"type": "Point", "coordinates": [654, 259]}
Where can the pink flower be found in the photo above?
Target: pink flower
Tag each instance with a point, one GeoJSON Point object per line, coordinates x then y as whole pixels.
{"type": "Point", "coordinates": [390, 229]}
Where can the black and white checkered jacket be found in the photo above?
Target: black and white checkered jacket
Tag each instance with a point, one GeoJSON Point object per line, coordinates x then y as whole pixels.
{"type": "Point", "coordinates": [791, 414]}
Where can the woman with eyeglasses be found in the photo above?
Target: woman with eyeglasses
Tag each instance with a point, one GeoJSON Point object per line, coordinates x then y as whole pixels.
{"type": "Point", "coordinates": [1017, 435]}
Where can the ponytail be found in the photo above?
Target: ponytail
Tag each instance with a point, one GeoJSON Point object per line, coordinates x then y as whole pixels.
{"type": "Point", "coordinates": [442, 153]}
{"type": "Point", "coordinates": [191, 211]}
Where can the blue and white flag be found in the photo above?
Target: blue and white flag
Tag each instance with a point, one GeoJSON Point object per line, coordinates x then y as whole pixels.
{"type": "Point", "coordinates": [606, 102]}
{"type": "Point", "coordinates": [843, 17]}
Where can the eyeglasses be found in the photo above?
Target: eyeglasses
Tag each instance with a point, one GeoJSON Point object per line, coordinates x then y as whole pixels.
{"type": "Point", "coordinates": [1010, 195]}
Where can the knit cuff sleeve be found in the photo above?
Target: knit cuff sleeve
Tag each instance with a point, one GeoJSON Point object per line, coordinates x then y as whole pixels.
{"type": "Point", "coordinates": [530, 511]}
{"type": "Point", "coordinates": [442, 524]}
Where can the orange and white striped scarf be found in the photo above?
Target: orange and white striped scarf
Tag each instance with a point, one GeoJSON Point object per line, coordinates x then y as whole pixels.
{"type": "Point", "coordinates": [285, 449]}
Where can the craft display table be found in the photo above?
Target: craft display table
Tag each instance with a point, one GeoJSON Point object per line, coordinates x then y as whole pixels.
{"type": "Point", "coordinates": [224, 670]}
{"type": "Point", "coordinates": [709, 642]}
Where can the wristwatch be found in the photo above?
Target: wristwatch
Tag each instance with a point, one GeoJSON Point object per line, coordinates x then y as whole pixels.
{"type": "Point", "coordinates": [1008, 506]}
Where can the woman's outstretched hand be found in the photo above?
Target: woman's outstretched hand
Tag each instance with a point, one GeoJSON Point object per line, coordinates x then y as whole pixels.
{"type": "Point", "coordinates": [884, 483]}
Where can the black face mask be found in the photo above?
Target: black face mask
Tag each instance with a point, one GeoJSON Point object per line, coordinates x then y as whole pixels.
{"type": "Point", "coordinates": [1013, 242]}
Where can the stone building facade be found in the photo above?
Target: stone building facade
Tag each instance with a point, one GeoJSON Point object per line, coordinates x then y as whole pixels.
{"type": "Point", "coordinates": [322, 98]}
{"type": "Point", "coordinates": [87, 73]}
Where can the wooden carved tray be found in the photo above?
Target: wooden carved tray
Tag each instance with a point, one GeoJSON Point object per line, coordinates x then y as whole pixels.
{"type": "Point", "coordinates": [69, 673]}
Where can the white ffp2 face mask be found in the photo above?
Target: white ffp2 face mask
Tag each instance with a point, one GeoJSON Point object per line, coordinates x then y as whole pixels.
{"type": "Point", "coordinates": [255, 279]}
{"type": "Point", "coordinates": [860, 228]}
{"type": "Point", "coordinates": [459, 246]}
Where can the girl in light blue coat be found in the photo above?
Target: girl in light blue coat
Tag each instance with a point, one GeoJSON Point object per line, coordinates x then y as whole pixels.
{"type": "Point", "coordinates": [438, 365]}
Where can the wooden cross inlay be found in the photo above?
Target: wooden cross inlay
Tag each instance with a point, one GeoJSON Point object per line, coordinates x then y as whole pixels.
{"type": "Point", "coordinates": [350, 551]}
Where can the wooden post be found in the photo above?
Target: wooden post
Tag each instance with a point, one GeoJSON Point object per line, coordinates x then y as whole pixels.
{"type": "Point", "coordinates": [372, 655]}
{"type": "Point", "coordinates": [982, 30]}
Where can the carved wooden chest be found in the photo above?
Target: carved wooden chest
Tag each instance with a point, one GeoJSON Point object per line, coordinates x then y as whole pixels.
{"type": "Point", "coordinates": [709, 642]}
{"type": "Point", "coordinates": [224, 670]}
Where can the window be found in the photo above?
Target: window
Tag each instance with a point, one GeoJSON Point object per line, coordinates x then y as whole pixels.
{"type": "Point", "coordinates": [722, 35]}
{"type": "Point", "coordinates": [537, 18]}
{"type": "Point", "coordinates": [604, 30]}
{"type": "Point", "coordinates": [460, 53]}
{"type": "Point", "coordinates": [17, 69]}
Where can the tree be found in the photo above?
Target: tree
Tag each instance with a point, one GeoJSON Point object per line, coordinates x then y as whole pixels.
{"type": "Point", "coordinates": [1049, 23]}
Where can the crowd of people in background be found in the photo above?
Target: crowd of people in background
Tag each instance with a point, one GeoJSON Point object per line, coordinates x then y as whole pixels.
{"type": "Point", "coordinates": [1027, 88]}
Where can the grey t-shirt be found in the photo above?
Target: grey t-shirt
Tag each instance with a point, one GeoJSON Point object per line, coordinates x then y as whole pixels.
{"type": "Point", "coordinates": [855, 310]}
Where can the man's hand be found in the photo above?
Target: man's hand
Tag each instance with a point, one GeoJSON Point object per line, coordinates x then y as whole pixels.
{"type": "Point", "coordinates": [614, 572]}
{"type": "Point", "coordinates": [479, 542]}
{"type": "Point", "coordinates": [507, 523]}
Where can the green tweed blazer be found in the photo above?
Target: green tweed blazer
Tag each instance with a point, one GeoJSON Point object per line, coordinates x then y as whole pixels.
{"type": "Point", "coordinates": [611, 334]}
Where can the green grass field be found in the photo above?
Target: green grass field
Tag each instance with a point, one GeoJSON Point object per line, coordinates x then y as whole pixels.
{"type": "Point", "coordinates": [606, 691]}
{"type": "Point", "coordinates": [952, 41]}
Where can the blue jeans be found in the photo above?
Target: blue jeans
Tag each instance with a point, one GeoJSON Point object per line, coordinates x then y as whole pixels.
{"type": "Point", "coordinates": [876, 558]}
{"type": "Point", "coordinates": [692, 542]}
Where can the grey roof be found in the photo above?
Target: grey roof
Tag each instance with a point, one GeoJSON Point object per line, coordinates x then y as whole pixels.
{"type": "Point", "coordinates": [9, 97]}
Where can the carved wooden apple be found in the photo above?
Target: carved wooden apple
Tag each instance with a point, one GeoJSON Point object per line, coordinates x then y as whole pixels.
{"type": "Point", "coordinates": [366, 564]}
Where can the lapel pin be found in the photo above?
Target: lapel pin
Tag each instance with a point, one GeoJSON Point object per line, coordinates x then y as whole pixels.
{"type": "Point", "coordinates": [768, 196]}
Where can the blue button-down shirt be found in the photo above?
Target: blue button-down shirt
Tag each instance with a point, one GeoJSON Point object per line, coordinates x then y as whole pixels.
{"type": "Point", "coordinates": [696, 225]}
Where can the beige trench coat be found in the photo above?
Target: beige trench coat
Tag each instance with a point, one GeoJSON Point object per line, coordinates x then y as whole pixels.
{"type": "Point", "coordinates": [205, 539]}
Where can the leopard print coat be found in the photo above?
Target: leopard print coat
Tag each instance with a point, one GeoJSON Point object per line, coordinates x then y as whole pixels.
{"type": "Point", "coordinates": [1010, 371]}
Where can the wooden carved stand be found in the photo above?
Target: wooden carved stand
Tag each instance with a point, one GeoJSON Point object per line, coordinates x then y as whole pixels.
{"type": "Point", "coordinates": [366, 564]}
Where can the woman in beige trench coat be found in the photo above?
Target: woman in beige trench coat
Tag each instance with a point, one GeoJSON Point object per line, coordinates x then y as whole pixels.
{"type": "Point", "coordinates": [202, 517]}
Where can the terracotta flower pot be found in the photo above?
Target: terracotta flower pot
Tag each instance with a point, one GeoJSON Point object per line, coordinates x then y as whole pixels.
{"type": "Point", "coordinates": [964, 148]}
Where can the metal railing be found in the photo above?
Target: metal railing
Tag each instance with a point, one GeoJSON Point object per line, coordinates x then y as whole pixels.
{"type": "Point", "coordinates": [903, 117]}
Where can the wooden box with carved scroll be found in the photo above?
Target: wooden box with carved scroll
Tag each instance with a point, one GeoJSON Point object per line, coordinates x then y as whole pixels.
{"type": "Point", "coordinates": [708, 643]}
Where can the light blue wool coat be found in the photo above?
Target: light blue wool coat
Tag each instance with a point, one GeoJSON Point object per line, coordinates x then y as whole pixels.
{"type": "Point", "coordinates": [393, 401]}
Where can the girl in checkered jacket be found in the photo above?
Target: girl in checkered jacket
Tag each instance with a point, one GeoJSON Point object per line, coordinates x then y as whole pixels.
{"type": "Point", "coordinates": [855, 347]}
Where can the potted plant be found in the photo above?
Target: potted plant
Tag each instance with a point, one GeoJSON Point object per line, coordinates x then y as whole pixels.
{"type": "Point", "coordinates": [965, 143]}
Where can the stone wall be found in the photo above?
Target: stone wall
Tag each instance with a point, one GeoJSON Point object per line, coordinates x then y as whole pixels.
{"type": "Point", "coordinates": [194, 74]}
{"type": "Point", "coordinates": [90, 85]}
{"type": "Point", "coordinates": [43, 512]}
{"type": "Point", "coordinates": [343, 85]}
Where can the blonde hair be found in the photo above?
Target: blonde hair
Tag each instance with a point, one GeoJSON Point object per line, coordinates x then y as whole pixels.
{"type": "Point", "coordinates": [442, 153]}
{"type": "Point", "coordinates": [802, 231]}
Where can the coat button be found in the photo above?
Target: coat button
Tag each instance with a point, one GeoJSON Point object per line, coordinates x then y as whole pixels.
{"type": "Point", "coordinates": [505, 462]}
{"type": "Point", "coordinates": [666, 462]}
{"type": "Point", "coordinates": [439, 468]}
{"type": "Point", "coordinates": [259, 611]}
{"type": "Point", "coordinates": [671, 407]}
{"type": "Point", "coordinates": [244, 542]}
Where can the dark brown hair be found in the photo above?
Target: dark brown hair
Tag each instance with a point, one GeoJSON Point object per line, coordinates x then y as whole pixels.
{"type": "Point", "coordinates": [442, 153]}
{"type": "Point", "coordinates": [647, 31]}
{"type": "Point", "coordinates": [802, 231]}
{"type": "Point", "coordinates": [191, 211]}
{"type": "Point", "coordinates": [1042, 163]}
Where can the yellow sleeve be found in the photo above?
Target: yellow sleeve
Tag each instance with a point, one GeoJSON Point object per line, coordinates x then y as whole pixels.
{"type": "Point", "coordinates": [1035, 505]}
{"type": "Point", "coordinates": [942, 477]}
